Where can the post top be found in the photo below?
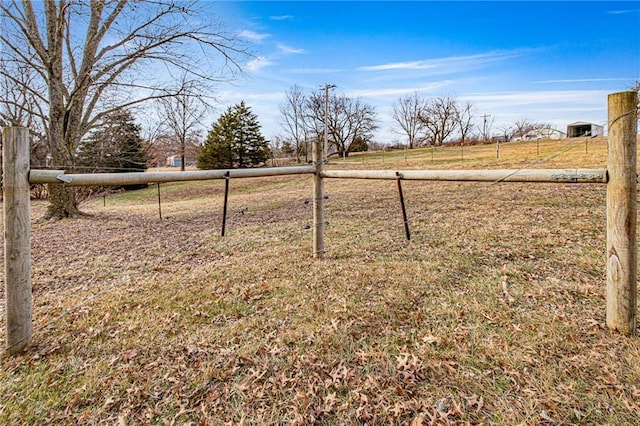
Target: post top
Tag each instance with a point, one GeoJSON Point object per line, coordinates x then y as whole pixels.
{"type": "Point", "coordinates": [625, 93]}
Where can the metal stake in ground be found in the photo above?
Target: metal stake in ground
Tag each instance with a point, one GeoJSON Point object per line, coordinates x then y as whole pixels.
{"type": "Point", "coordinates": [159, 203]}
{"type": "Point", "coordinates": [404, 210]}
{"type": "Point", "coordinates": [226, 198]}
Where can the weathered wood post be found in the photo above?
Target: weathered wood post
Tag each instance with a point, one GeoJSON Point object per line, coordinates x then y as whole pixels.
{"type": "Point", "coordinates": [17, 239]}
{"type": "Point", "coordinates": [318, 200]}
{"type": "Point", "coordinates": [621, 214]}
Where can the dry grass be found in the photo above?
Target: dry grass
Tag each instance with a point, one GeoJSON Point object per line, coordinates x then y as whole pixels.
{"type": "Point", "coordinates": [493, 313]}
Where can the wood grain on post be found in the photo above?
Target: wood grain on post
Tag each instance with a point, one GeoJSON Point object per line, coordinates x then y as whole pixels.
{"type": "Point", "coordinates": [318, 201]}
{"type": "Point", "coordinates": [17, 239]}
{"type": "Point", "coordinates": [621, 214]}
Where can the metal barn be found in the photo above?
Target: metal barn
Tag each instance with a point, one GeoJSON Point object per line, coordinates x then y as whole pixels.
{"type": "Point", "coordinates": [582, 128]}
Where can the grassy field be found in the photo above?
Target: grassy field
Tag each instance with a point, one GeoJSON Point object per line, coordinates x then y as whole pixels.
{"type": "Point", "coordinates": [493, 313]}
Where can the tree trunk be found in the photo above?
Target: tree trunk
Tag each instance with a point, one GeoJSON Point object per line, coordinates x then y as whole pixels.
{"type": "Point", "coordinates": [62, 120]}
{"type": "Point", "coordinates": [62, 202]}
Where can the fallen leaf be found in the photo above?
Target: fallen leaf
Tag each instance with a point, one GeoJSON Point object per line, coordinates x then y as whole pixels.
{"type": "Point", "coordinates": [129, 355]}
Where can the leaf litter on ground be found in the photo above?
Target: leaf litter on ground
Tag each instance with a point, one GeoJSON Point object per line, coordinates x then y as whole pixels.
{"type": "Point", "coordinates": [492, 314]}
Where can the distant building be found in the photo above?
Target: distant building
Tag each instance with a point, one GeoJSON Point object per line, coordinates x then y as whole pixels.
{"type": "Point", "coordinates": [540, 134]}
{"type": "Point", "coordinates": [174, 161]}
{"type": "Point", "coordinates": [582, 128]}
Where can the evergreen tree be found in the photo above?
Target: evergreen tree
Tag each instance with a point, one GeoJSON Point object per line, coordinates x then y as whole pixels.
{"type": "Point", "coordinates": [115, 146]}
{"type": "Point", "coordinates": [359, 144]}
{"type": "Point", "coordinates": [234, 141]}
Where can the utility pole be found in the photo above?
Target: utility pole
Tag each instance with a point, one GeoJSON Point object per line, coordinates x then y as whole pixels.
{"type": "Point", "coordinates": [326, 122]}
{"type": "Point", "coordinates": [484, 126]}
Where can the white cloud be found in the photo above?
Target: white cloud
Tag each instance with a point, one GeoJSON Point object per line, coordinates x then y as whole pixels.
{"type": "Point", "coordinates": [412, 65]}
{"type": "Point", "coordinates": [258, 63]}
{"type": "Point", "coordinates": [546, 97]}
{"type": "Point", "coordinates": [253, 36]}
{"type": "Point", "coordinates": [268, 98]}
{"type": "Point", "coordinates": [451, 63]}
{"type": "Point", "coordinates": [281, 18]}
{"type": "Point", "coordinates": [313, 71]}
{"type": "Point", "coordinates": [622, 12]}
{"type": "Point", "coordinates": [288, 50]}
{"type": "Point", "coordinates": [582, 80]}
{"type": "Point", "coordinates": [372, 93]}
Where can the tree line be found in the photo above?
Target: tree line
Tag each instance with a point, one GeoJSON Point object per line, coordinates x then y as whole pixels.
{"type": "Point", "coordinates": [418, 119]}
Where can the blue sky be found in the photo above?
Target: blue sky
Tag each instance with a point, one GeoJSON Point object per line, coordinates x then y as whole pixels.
{"type": "Point", "coordinates": [548, 61]}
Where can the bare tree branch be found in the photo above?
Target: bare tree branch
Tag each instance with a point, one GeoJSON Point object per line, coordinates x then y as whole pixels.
{"type": "Point", "coordinates": [464, 119]}
{"type": "Point", "coordinates": [439, 118]}
{"type": "Point", "coordinates": [293, 120]}
{"type": "Point", "coordinates": [406, 114]}
{"type": "Point", "coordinates": [87, 53]}
{"type": "Point", "coordinates": [349, 120]}
{"type": "Point", "coordinates": [183, 111]}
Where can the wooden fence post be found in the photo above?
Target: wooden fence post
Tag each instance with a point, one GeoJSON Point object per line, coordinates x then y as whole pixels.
{"type": "Point", "coordinates": [621, 214]}
{"type": "Point", "coordinates": [17, 239]}
{"type": "Point", "coordinates": [318, 200]}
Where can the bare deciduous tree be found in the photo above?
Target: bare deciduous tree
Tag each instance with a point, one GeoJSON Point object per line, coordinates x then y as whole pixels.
{"type": "Point", "coordinates": [506, 133]}
{"type": "Point", "coordinates": [294, 120]}
{"type": "Point", "coordinates": [162, 146]}
{"type": "Point", "coordinates": [406, 114]}
{"type": "Point", "coordinates": [183, 110]}
{"type": "Point", "coordinates": [350, 121]}
{"type": "Point", "coordinates": [90, 57]}
{"type": "Point", "coordinates": [524, 125]}
{"type": "Point", "coordinates": [440, 119]}
{"type": "Point", "coordinates": [464, 120]}
{"type": "Point", "coordinates": [18, 106]}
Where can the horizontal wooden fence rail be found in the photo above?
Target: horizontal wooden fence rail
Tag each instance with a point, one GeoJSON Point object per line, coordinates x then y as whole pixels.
{"type": "Point", "coordinates": [517, 175]}
{"type": "Point", "coordinates": [115, 179]}
{"type": "Point", "coordinates": [506, 175]}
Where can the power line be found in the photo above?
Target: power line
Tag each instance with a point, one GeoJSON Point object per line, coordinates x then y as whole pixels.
{"type": "Point", "coordinates": [484, 125]}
